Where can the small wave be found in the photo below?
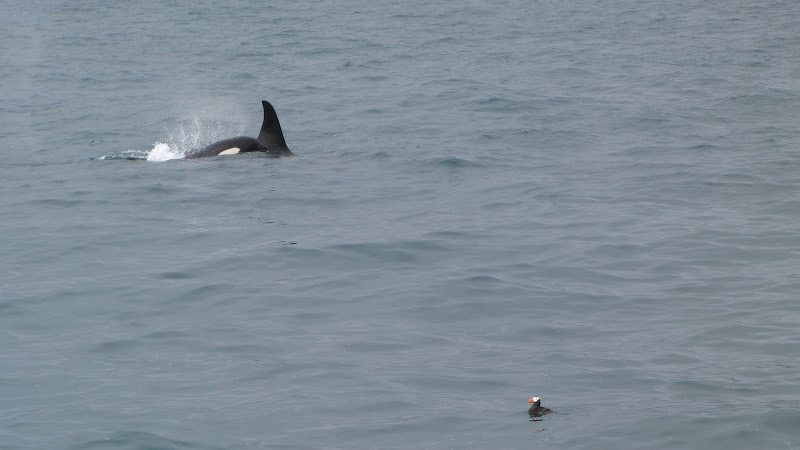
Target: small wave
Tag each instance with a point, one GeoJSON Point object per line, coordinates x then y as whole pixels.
{"type": "Point", "coordinates": [455, 162]}
{"type": "Point", "coordinates": [380, 155]}
{"type": "Point", "coordinates": [138, 439]}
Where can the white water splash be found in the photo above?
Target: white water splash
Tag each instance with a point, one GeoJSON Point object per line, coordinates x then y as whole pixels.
{"type": "Point", "coordinates": [191, 134]}
{"type": "Point", "coordinates": [163, 152]}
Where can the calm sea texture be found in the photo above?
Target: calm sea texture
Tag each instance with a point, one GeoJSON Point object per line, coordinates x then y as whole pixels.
{"type": "Point", "coordinates": [593, 202]}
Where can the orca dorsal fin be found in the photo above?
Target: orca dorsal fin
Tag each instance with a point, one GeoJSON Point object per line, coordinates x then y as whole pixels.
{"type": "Point", "coordinates": [271, 134]}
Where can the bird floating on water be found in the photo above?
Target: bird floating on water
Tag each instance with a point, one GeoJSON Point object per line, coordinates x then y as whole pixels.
{"type": "Point", "coordinates": [537, 410]}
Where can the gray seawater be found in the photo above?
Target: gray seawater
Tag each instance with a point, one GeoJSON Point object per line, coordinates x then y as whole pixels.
{"type": "Point", "coordinates": [592, 202]}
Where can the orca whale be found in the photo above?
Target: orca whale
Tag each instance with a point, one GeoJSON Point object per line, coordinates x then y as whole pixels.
{"type": "Point", "coordinates": [270, 140]}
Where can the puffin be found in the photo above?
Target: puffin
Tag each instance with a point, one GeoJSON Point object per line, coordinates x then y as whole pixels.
{"type": "Point", "coordinates": [537, 410]}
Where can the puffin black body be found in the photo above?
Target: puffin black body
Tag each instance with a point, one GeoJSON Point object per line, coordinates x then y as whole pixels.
{"type": "Point", "coordinates": [270, 140]}
{"type": "Point", "coordinates": [536, 409]}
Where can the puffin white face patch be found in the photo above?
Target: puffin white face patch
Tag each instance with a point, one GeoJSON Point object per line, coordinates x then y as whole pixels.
{"type": "Point", "coordinates": [230, 151]}
{"type": "Point", "coordinates": [536, 399]}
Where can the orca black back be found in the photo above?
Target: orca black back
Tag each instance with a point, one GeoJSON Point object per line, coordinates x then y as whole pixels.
{"type": "Point", "coordinates": [270, 140]}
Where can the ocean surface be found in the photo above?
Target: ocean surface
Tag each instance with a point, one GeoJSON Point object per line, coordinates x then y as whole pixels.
{"type": "Point", "coordinates": [597, 203]}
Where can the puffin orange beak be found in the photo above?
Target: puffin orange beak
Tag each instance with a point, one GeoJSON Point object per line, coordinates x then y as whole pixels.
{"type": "Point", "coordinates": [530, 401]}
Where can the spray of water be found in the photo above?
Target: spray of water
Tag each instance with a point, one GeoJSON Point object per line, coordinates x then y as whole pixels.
{"type": "Point", "coordinates": [162, 152]}
{"type": "Point", "coordinates": [191, 134]}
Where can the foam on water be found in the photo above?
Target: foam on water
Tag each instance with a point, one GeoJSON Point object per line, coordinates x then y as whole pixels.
{"type": "Point", "coordinates": [162, 152]}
